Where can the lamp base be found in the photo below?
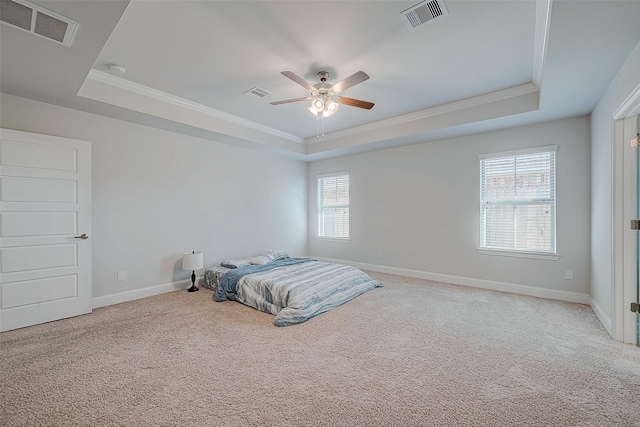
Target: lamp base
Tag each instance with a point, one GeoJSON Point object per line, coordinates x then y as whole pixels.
{"type": "Point", "coordinates": [193, 287]}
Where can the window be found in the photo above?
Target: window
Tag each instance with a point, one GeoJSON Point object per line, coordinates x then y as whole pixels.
{"type": "Point", "coordinates": [518, 201]}
{"type": "Point", "coordinates": [333, 206]}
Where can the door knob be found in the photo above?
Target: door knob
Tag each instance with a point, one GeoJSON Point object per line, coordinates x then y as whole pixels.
{"type": "Point", "coordinates": [83, 236]}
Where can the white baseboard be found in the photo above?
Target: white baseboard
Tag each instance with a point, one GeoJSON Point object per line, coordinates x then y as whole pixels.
{"type": "Point", "coordinates": [476, 283]}
{"type": "Point", "coordinates": [604, 319]}
{"type": "Point", "coordinates": [437, 277]}
{"type": "Point", "coordinates": [134, 294]}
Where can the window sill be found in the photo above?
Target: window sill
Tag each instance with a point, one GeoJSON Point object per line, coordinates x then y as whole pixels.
{"type": "Point", "coordinates": [518, 254]}
{"type": "Point", "coordinates": [332, 239]}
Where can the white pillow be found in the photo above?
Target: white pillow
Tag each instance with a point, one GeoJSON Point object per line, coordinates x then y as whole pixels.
{"type": "Point", "coordinates": [276, 254]}
{"type": "Point", "coordinates": [260, 259]}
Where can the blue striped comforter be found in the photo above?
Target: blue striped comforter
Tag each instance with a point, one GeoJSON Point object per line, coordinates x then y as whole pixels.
{"type": "Point", "coordinates": [294, 289]}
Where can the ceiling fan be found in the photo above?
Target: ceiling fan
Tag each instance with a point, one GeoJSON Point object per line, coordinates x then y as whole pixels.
{"type": "Point", "coordinates": [325, 98]}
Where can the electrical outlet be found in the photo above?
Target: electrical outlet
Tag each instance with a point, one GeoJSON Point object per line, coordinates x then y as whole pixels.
{"type": "Point", "coordinates": [568, 274]}
{"type": "Point", "coordinates": [380, 254]}
{"type": "Point", "coordinates": [122, 275]}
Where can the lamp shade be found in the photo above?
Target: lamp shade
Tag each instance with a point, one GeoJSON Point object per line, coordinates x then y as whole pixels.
{"type": "Point", "coordinates": [192, 261]}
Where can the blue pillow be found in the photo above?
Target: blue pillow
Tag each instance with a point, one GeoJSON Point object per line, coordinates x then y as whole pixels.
{"type": "Point", "coordinates": [236, 263]}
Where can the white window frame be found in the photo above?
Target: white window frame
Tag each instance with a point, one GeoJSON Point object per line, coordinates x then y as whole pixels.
{"type": "Point", "coordinates": [524, 253]}
{"type": "Point", "coordinates": [320, 232]}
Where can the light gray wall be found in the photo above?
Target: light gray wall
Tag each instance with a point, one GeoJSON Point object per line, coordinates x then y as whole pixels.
{"type": "Point", "coordinates": [157, 194]}
{"type": "Point", "coordinates": [419, 204]}
{"type": "Point", "coordinates": [627, 79]}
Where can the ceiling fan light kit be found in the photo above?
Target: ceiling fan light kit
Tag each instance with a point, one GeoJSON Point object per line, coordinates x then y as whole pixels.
{"type": "Point", "coordinates": [323, 106]}
{"type": "Point", "coordinates": [325, 98]}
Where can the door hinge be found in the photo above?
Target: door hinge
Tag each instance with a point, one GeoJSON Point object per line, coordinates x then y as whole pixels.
{"type": "Point", "coordinates": [635, 224]}
{"type": "Point", "coordinates": [635, 307]}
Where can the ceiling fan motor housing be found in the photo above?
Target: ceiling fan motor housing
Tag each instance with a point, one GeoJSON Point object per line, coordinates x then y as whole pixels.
{"type": "Point", "coordinates": [323, 75]}
{"type": "Point", "coordinates": [323, 88]}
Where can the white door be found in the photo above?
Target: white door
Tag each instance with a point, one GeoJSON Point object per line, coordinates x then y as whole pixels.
{"type": "Point", "coordinates": [625, 291]}
{"type": "Point", "coordinates": [45, 209]}
{"type": "Point", "coordinates": [632, 286]}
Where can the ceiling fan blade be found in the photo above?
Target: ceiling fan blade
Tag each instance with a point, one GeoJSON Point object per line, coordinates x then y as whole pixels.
{"type": "Point", "coordinates": [296, 78]}
{"type": "Point", "coordinates": [286, 101]}
{"type": "Point", "coordinates": [352, 80]}
{"type": "Point", "coordinates": [355, 103]}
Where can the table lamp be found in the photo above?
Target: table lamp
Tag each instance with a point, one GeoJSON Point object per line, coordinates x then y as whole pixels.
{"type": "Point", "coordinates": [192, 261]}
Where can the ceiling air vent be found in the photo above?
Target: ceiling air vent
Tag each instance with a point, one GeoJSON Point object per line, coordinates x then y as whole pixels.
{"type": "Point", "coordinates": [423, 12]}
{"type": "Point", "coordinates": [257, 92]}
{"type": "Point", "coordinates": [37, 20]}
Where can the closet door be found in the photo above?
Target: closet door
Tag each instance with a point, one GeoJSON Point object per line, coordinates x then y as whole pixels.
{"type": "Point", "coordinates": [45, 228]}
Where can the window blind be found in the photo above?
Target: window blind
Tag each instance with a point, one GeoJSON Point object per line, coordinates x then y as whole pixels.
{"type": "Point", "coordinates": [333, 206]}
{"type": "Point", "coordinates": [518, 201]}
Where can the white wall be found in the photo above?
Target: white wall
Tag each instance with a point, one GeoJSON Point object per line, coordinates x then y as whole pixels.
{"type": "Point", "coordinates": [419, 204]}
{"type": "Point", "coordinates": [157, 194]}
{"type": "Point", "coordinates": [627, 79]}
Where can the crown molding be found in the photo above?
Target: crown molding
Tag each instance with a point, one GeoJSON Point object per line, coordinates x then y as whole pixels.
{"type": "Point", "coordinates": [104, 87]}
{"type": "Point", "coordinates": [108, 88]}
{"type": "Point", "coordinates": [630, 107]}
{"type": "Point", "coordinates": [541, 39]}
{"type": "Point", "coordinates": [136, 88]}
{"type": "Point", "coordinates": [453, 107]}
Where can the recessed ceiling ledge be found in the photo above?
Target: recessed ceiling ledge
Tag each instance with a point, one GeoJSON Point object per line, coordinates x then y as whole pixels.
{"type": "Point", "coordinates": [515, 100]}
{"type": "Point", "coordinates": [104, 87]}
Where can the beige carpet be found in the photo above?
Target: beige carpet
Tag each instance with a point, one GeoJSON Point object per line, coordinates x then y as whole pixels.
{"type": "Point", "coordinates": [414, 353]}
